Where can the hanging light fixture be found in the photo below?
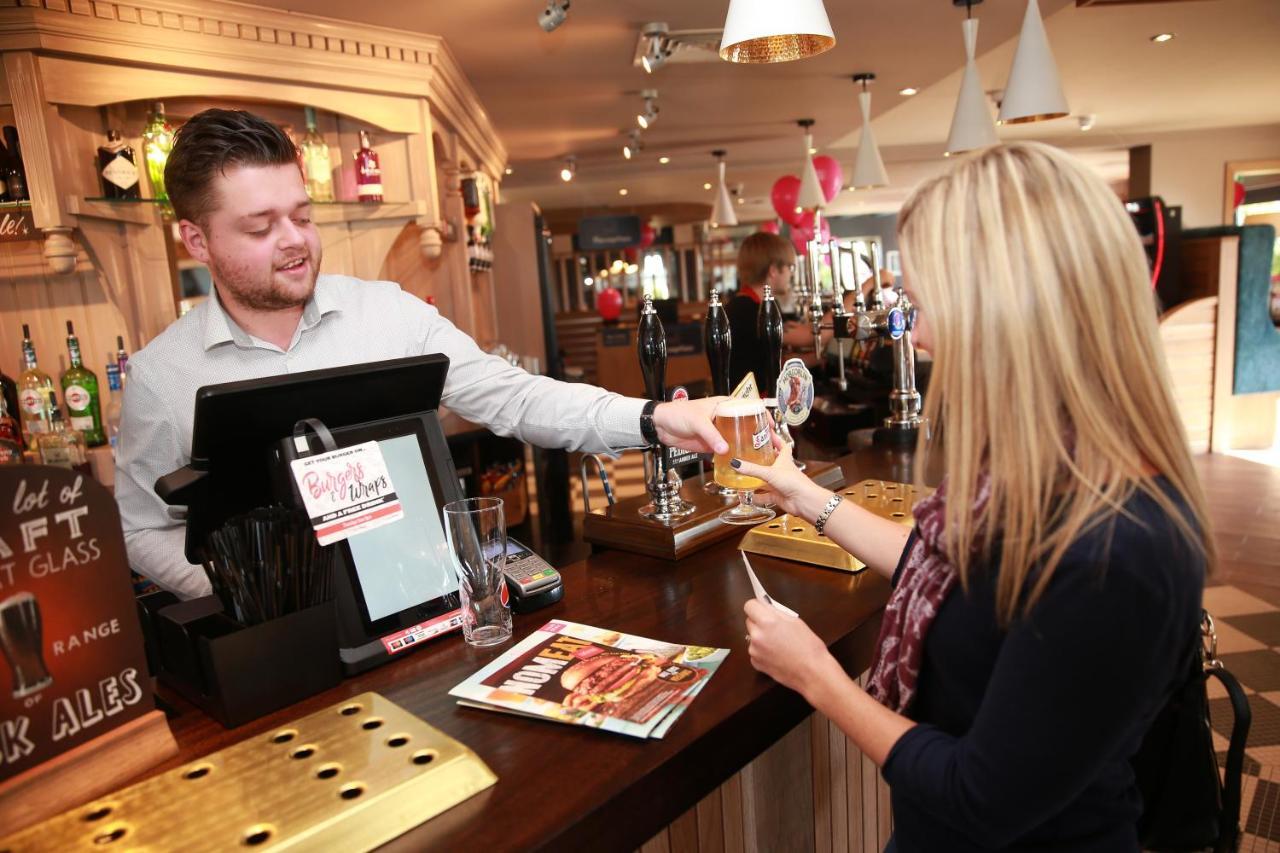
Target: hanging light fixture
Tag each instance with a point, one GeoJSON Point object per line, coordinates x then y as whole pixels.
{"type": "Point", "coordinates": [722, 212]}
{"type": "Point", "coordinates": [649, 114]}
{"type": "Point", "coordinates": [763, 31]}
{"type": "Point", "coordinates": [971, 124]}
{"type": "Point", "coordinates": [633, 146]}
{"type": "Point", "coordinates": [570, 168]}
{"type": "Point", "coordinates": [810, 197]}
{"type": "Point", "coordinates": [868, 168]}
{"type": "Point", "coordinates": [1034, 92]}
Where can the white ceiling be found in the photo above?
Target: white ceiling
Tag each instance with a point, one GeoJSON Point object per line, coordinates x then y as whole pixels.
{"type": "Point", "coordinates": [575, 91]}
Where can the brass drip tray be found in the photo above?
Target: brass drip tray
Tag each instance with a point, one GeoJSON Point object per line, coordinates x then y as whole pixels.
{"type": "Point", "coordinates": [349, 777]}
{"type": "Point", "coordinates": [793, 538]}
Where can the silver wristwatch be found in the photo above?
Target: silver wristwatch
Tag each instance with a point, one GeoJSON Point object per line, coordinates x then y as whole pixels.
{"type": "Point", "coordinates": [821, 522]}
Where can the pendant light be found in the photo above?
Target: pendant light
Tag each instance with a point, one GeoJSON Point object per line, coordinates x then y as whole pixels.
{"type": "Point", "coordinates": [763, 31]}
{"type": "Point", "coordinates": [722, 212]}
{"type": "Point", "coordinates": [971, 126]}
{"type": "Point", "coordinates": [868, 168]}
{"type": "Point", "coordinates": [1034, 92]}
{"type": "Point", "coordinates": [810, 196]}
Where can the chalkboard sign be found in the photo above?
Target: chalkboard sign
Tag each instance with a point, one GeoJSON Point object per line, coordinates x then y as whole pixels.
{"type": "Point", "coordinates": [68, 624]}
{"type": "Point", "coordinates": [608, 232]}
{"type": "Point", "coordinates": [16, 225]}
{"type": "Point", "coordinates": [615, 337]}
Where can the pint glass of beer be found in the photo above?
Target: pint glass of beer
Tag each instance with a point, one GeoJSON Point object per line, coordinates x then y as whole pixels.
{"type": "Point", "coordinates": [744, 425]}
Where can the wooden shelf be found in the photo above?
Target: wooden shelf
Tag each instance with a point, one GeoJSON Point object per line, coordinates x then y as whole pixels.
{"type": "Point", "coordinates": [325, 213]}
{"type": "Point", "coordinates": [145, 211]}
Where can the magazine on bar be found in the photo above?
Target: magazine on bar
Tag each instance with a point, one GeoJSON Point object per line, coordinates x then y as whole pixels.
{"type": "Point", "coordinates": [585, 676]}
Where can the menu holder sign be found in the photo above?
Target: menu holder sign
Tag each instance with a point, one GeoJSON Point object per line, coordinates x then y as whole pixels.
{"type": "Point", "coordinates": [76, 713]}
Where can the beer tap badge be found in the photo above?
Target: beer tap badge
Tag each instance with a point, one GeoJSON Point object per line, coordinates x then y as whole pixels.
{"type": "Point", "coordinates": [747, 389]}
{"type": "Point", "coordinates": [69, 631]}
{"type": "Point", "coordinates": [795, 392]}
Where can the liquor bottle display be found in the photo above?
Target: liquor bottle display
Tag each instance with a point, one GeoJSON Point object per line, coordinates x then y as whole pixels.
{"type": "Point", "coordinates": [316, 165]}
{"type": "Point", "coordinates": [368, 171]}
{"type": "Point", "coordinates": [35, 392]}
{"type": "Point", "coordinates": [9, 398]}
{"type": "Point", "coordinates": [157, 142]}
{"type": "Point", "coordinates": [117, 168]}
{"type": "Point", "coordinates": [122, 357]}
{"type": "Point", "coordinates": [4, 173]}
{"type": "Point", "coordinates": [80, 391]}
{"type": "Point", "coordinates": [16, 177]}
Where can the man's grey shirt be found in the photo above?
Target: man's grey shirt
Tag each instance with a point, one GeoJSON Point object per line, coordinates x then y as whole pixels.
{"type": "Point", "coordinates": [347, 321]}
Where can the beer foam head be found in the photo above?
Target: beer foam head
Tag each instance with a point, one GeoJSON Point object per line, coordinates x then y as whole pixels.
{"type": "Point", "coordinates": [740, 408]}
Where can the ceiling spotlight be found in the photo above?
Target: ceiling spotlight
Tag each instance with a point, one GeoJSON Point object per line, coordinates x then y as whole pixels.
{"type": "Point", "coordinates": [707, 186]}
{"type": "Point", "coordinates": [909, 91]}
{"type": "Point", "coordinates": [570, 169]}
{"type": "Point", "coordinates": [508, 171]}
{"type": "Point", "coordinates": [650, 114]}
{"type": "Point", "coordinates": [1161, 38]}
{"type": "Point", "coordinates": [554, 15]}
{"type": "Point", "coordinates": [657, 47]}
{"type": "Point", "coordinates": [622, 191]}
{"type": "Point", "coordinates": [1087, 122]}
{"type": "Point", "coordinates": [633, 145]}
{"type": "Point", "coordinates": [664, 160]}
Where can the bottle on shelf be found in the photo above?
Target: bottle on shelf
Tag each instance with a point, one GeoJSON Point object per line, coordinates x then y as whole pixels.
{"type": "Point", "coordinates": [10, 436]}
{"type": "Point", "coordinates": [368, 171]}
{"type": "Point", "coordinates": [62, 445]}
{"type": "Point", "coordinates": [122, 357]}
{"type": "Point", "coordinates": [80, 391]}
{"type": "Point", "coordinates": [115, 406]}
{"type": "Point", "coordinates": [9, 397]}
{"type": "Point", "coordinates": [117, 168]}
{"type": "Point", "coordinates": [317, 168]}
{"type": "Point", "coordinates": [4, 173]}
{"type": "Point", "coordinates": [16, 179]}
{"type": "Point", "coordinates": [35, 392]}
{"type": "Point", "coordinates": [157, 142]}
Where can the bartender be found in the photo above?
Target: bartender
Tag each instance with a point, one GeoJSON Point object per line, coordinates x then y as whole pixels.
{"type": "Point", "coordinates": [763, 259]}
{"type": "Point", "coordinates": [242, 210]}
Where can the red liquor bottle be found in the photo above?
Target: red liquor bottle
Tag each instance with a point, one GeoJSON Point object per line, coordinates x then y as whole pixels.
{"type": "Point", "coordinates": [368, 171]}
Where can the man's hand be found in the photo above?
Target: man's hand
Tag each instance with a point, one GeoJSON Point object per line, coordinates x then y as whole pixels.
{"type": "Point", "coordinates": [690, 425]}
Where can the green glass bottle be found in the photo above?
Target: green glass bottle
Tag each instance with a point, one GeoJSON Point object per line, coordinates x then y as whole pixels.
{"type": "Point", "coordinates": [157, 142]}
{"type": "Point", "coordinates": [80, 393]}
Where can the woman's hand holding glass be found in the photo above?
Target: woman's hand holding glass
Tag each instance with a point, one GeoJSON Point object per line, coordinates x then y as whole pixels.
{"type": "Point", "coordinates": [789, 489]}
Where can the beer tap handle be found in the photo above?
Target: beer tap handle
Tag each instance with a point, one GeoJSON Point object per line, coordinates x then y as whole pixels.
{"type": "Point", "coordinates": [877, 298]}
{"type": "Point", "coordinates": [769, 330]}
{"type": "Point", "coordinates": [717, 340]}
{"type": "Point", "coordinates": [651, 346]}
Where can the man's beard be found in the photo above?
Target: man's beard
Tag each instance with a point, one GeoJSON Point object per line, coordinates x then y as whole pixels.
{"type": "Point", "coordinates": [256, 295]}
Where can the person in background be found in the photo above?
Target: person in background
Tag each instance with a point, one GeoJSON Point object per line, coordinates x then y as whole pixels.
{"type": "Point", "coordinates": [1048, 595]}
{"type": "Point", "coordinates": [242, 210]}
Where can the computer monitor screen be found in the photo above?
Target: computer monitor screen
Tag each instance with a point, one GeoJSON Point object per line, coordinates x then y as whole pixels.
{"type": "Point", "coordinates": [407, 562]}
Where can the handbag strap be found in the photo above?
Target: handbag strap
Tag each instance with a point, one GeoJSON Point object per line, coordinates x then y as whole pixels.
{"type": "Point", "coordinates": [1242, 715]}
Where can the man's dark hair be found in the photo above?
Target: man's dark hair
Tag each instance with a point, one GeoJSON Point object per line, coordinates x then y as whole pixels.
{"type": "Point", "coordinates": [210, 143]}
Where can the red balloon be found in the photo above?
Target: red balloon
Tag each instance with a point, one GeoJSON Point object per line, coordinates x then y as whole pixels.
{"type": "Point", "coordinates": [647, 235]}
{"type": "Point", "coordinates": [802, 234]}
{"type": "Point", "coordinates": [771, 227]}
{"type": "Point", "coordinates": [830, 175]}
{"type": "Point", "coordinates": [630, 253]}
{"type": "Point", "coordinates": [785, 194]}
{"type": "Point", "coordinates": [609, 304]}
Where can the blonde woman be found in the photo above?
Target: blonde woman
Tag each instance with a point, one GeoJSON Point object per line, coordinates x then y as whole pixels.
{"type": "Point", "coordinates": [1051, 587]}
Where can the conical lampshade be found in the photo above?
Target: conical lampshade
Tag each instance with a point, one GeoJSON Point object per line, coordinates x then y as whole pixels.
{"type": "Point", "coordinates": [1034, 92]}
{"type": "Point", "coordinates": [971, 125]}
{"type": "Point", "coordinates": [722, 213]}
{"type": "Point", "coordinates": [810, 197]}
{"type": "Point", "coordinates": [868, 168]}
{"type": "Point", "coordinates": [762, 31]}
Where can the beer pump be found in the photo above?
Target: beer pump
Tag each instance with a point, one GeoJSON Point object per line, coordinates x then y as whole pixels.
{"type": "Point", "coordinates": [661, 478]}
{"type": "Point", "coordinates": [717, 339]}
{"type": "Point", "coordinates": [812, 307]}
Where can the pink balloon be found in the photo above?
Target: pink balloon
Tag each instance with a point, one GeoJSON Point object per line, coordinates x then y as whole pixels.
{"type": "Point", "coordinates": [771, 227]}
{"type": "Point", "coordinates": [609, 304]}
{"type": "Point", "coordinates": [647, 235]}
{"type": "Point", "coordinates": [803, 233]}
{"type": "Point", "coordinates": [785, 194]}
{"type": "Point", "coordinates": [830, 175]}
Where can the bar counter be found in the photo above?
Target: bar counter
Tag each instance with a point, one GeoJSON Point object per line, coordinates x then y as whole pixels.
{"type": "Point", "coordinates": [570, 788]}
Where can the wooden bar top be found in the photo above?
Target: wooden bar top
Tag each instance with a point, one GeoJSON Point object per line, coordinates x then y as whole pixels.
{"type": "Point", "coordinates": [572, 788]}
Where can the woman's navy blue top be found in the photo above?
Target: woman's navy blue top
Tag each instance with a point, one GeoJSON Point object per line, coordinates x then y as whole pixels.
{"type": "Point", "coordinates": [1025, 734]}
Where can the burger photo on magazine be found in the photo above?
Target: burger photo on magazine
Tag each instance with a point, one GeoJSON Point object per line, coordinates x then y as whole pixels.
{"type": "Point", "coordinates": [623, 684]}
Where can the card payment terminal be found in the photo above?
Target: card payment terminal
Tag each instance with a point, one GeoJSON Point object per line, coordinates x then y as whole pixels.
{"type": "Point", "coordinates": [531, 580]}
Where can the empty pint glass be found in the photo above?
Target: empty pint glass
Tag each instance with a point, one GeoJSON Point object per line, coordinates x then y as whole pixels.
{"type": "Point", "coordinates": [21, 640]}
{"type": "Point", "coordinates": [744, 425]}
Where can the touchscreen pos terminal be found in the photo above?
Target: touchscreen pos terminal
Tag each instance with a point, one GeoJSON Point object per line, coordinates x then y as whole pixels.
{"type": "Point", "coordinates": [395, 585]}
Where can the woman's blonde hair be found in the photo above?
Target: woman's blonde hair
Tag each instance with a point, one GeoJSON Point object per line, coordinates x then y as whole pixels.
{"type": "Point", "coordinates": [1049, 373]}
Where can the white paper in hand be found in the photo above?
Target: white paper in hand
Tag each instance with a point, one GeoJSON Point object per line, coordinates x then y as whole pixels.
{"type": "Point", "coordinates": [759, 590]}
